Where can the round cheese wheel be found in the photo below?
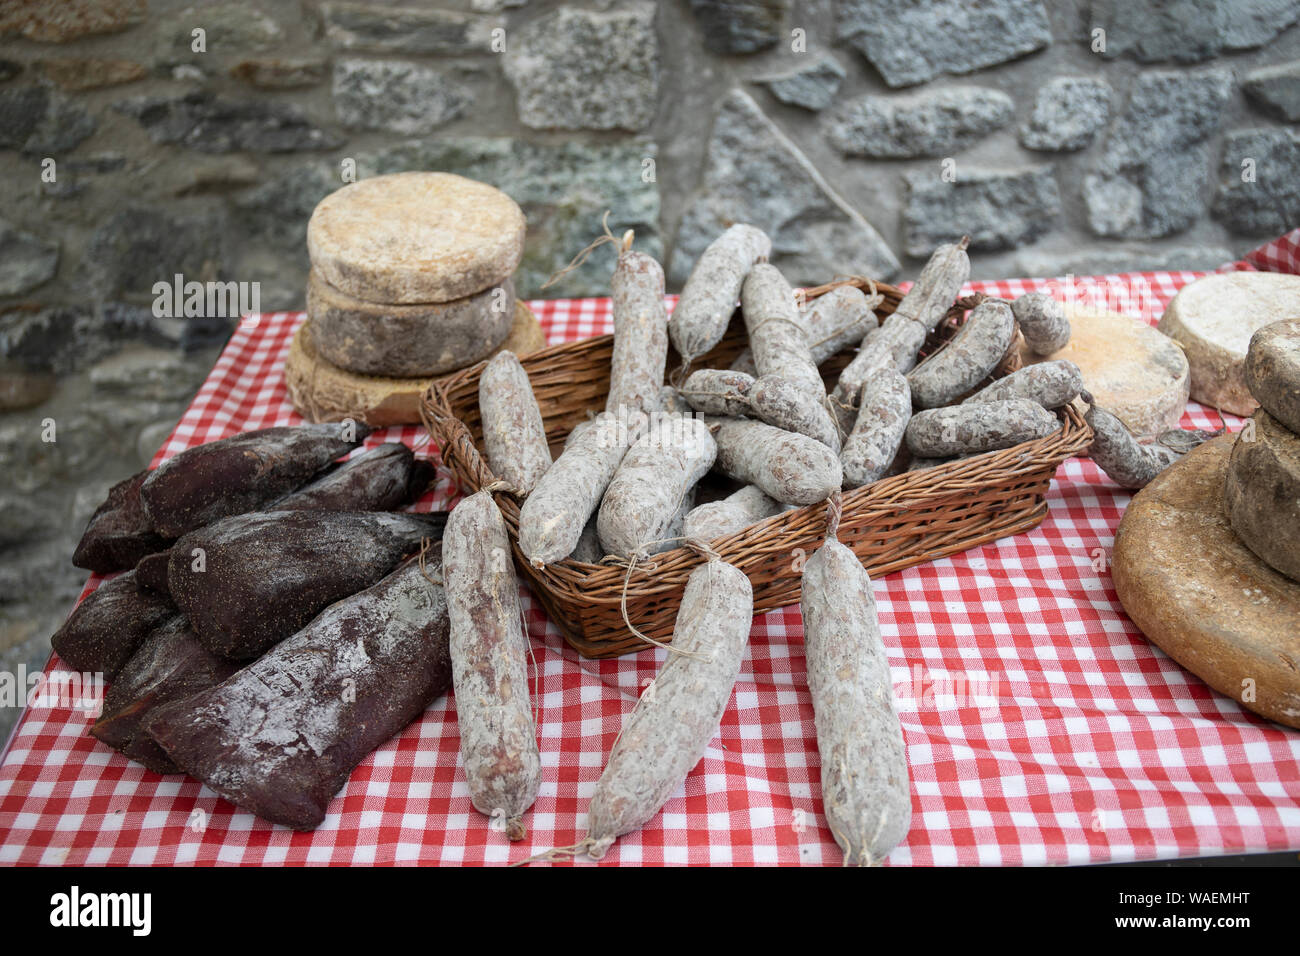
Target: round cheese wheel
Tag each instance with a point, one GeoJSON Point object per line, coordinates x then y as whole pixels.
{"type": "Point", "coordinates": [1213, 319]}
{"type": "Point", "coordinates": [409, 238]}
{"type": "Point", "coordinates": [1263, 493]}
{"type": "Point", "coordinates": [320, 391]}
{"type": "Point", "coordinates": [407, 340]}
{"type": "Point", "coordinates": [1132, 371]}
{"type": "Point", "coordinates": [1201, 595]}
{"type": "Point", "coordinates": [1273, 371]}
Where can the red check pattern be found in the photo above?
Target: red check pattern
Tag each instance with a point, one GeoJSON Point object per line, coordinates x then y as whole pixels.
{"type": "Point", "coordinates": [1041, 726]}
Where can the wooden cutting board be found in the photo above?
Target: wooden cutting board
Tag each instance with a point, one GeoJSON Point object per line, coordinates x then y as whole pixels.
{"type": "Point", "coordinates": [1200, 595]}
{"type": "Point", "coordinates": [322, 392]}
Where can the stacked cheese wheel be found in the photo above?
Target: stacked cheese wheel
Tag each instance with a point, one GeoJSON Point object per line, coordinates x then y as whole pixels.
{"type": "Point", "coordinates": [1263, 483]}
{"type": "Point", "coordinates": [1207, 556]}
{"type": "Point", "coordinates": [411, 273]}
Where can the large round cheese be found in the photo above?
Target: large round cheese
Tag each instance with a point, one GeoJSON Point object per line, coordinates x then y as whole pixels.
{"type": "Point", "coordinates": [409, 238]}
{"type": "Point", "coordinates": [1213, 319]}
{"type": "Point", "coordinates": [1132, 371]}
{"type": "Point", "coordinates": [1273, 371]}
{"type": "Point", "coordinates": [320, 391]}
{"type": "Point", "coordinates": [1262, 493]}
{"type": "Point", "coordinates": [407, 340]}
{"type": "Point", "coordinates": [1201, 595]}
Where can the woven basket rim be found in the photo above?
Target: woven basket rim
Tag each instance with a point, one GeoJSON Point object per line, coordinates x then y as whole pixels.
{"type": "Point", "coordinates": [609, 585]}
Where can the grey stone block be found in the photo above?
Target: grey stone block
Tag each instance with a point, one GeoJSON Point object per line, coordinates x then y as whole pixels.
{"type": "Point", "coordinates": [1276, 90]}
{"type": "Point", "coordinates": [26, 261]}
{"type": "Point", "coordinates": [1068, 113]}
{"type": "Point", "coordinates": [918, 40]}
{"type": "Point", "coordinates": [1259, 182]}
{"type": "Point", "coordinates": [38, 120]}
{"type": "Point", "coordinates": [1157, 31]}
{"type": "Point", "coordinates": [586, 69]}
{"type": "Point", "coordinates": [754, 173]}
{"type": "Point", "coordinates": [812, 86]}
{"type": "Point", "coordinates": [928, 123]}
{"type": "Point", "coordinates": [1152, 176]}
{"type": "Point", "coordinates": [202, 121]}
{"type": "Point", "coordinates": [740, 26]}
{"type": "Point", "coordinates": [998, 209]}
{"type": "Point", "coordinates": [406, 29]}
{"type": "Point", "coordinates": [396, 96]}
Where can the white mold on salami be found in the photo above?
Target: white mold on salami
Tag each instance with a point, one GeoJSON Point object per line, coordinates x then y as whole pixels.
{"type": "Point", "coordinates": [709, 297]}
{"type": "Point", "coordinates": [865, 792]}
{"type": "Point", "coordinates": [1042, 321]}
{"type": "Point", "coordinates": [884, 411]}
{"type": "Point", "coordinates": [974, 429]}
{"type": "Point", "coordinates": [716, 519]}
{"type": "Point", "coordinates": [651, 482]}
{"type": "Point", "coordinates": [967, 359]}
{"type": "Point", "coordinates": [679, 713]}
{"type": "Point", "coordinates": [893, 345]}
{"type": "Point", "coordinates": [1116, 452]}
{"type": "Point", "coordinates": [937, 287]}
{"type": "Point", "coordinates": [552, 518]}
{"type": "Point", "coordinates": [832, 322]}
{"type": "Point", "coordinates": [640, 334]}
{"type": "Point", "coordinates": [776, 333]}
{"type": "Point", "coordinates": [716, 391]}
{"type": "Point", "coordinates": [489, 662]}
{"type": "Point", "coordinates": [1050, 384]}
{"type": "Point", "coordinates": [793, 469]}
{"type": "Point", "coordinates": [783, 404]}
{"type": "Point", "coordinates": [514, 434]}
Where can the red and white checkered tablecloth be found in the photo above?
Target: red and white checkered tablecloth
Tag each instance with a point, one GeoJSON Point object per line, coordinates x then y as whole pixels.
{"type": "Point", "coordinates": [1041, 726]}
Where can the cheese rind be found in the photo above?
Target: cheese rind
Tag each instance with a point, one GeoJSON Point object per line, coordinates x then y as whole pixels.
{"type": "Point", "coordinates": [1204, 598]}
{"type": "Point", "coordinates": [322, 392]}
{"type": "Point", "coordinates": [1214, 318]}
{"type": "Point", "coordinates": [1132, 370]}
{"type": "Point", "coordinates": [415, 237]}
{"type": "Point", "coordinates": [1273, 371]}
{"type": "Point", "coordinates": [407, 340]}
{"type": "Point", "coordinates": [1262, 492]}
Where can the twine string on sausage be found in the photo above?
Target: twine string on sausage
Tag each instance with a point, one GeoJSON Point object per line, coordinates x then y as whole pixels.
{"type": "Point", "coordinates": [834, 511]}
{"type": "Point", "coordinates": [425, 544]}
{"type": "Point", "coordinates": [778, 318]}
{"type": "Point", "coordinates": [595, 244]}
{"type": "Point", "coordinates": [630, 563]}
{"type": "Point", "coordinates": [558, 853]}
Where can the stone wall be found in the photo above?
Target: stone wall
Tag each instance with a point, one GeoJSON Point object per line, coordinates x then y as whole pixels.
{"type": "Point", "coordinates": [140, 139]}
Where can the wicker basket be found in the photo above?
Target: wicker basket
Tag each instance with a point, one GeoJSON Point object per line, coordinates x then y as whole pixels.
{"type": "Point", "coordinates": [893, 523]}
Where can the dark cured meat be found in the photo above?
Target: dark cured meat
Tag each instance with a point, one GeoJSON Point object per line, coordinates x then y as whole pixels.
{"type": "Point", "coordinates": [281, 737]}
{"type": "Point", "coordinates": [380, 479]}
{"type": "Point", "coordinates": [118, 534]}
{"type": "Point", "coordinates": [169, 665]}
{"type": "Point", "coordinates": [266, 574]}
{"type": "Point", "coordinates": [151, 572]}
{"type": "Point", "coordinates": [240, 474]}
{"type": "Point", "coordinates": [105, 629]}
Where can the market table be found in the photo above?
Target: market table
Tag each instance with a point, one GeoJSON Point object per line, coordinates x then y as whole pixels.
{"type": "Point", "coordinates": [1041, 727]}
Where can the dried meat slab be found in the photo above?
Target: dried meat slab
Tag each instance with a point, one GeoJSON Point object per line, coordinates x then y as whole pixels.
{"type": "Point", "coordinates": [104, 630]}
{"type": "Point", "coordinates": [119, 533]}
{"type": "Point", "coordinates": [249, 581]}
{"type": "Point", "coordinates": [281, 737]}
{"type": "Point", "coordinates": [170, 665]}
